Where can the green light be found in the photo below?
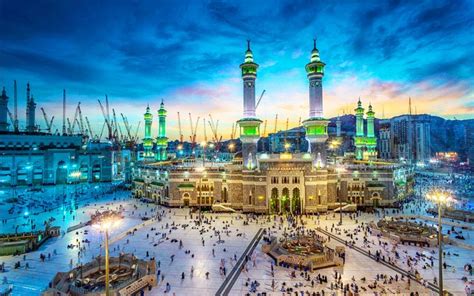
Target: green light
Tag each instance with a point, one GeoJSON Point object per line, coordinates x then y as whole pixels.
{"type": "Point", "coordinates": [250, 131]}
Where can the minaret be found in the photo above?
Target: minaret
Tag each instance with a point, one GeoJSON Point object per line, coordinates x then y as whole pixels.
{"type": "Point", "coordinates": [249, 124]}
{"type": "Point", "coordinates": [4, 111]}
{"type": "Point", "coordinates": [30, 111]}
{"type": "Point", "coordinates": [371, 140]}
{"type": "Point", "coordinates": [316, 126]}
{"type": "Point", "coordinates": [161, 140]}
{"type": "Point", "coordinates": [147, 140]}
{"type": "Point", "coordinates": [359, 139]}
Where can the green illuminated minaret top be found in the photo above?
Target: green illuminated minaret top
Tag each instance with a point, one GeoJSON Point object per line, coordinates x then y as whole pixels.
{"type": "Point", "coordinates": [162, 120]}
{"type": "Point", "coordinates": [161, 140]}
{"type": "Point", "coordinates": [249, 67]}
{"type": "Point", "coordinates": [147, 140]}
{"type": "Point", "coordinates": [370, 122]}
{"type": "Point", "coordinates": [359, 119]}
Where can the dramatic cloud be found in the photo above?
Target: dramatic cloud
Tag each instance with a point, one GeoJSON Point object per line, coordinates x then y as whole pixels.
{"type": "Point", "coordinates": [188, 53]}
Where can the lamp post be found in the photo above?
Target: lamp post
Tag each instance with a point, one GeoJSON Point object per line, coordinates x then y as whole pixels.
{"type": "Point", "coordinates": [203, 173]}
{"type": "Point", "coordinates": [106, 221]}
{"type": "Point", "coordinates": [339, 170]}
{"type": "Point", "coordinates": [440, 197]}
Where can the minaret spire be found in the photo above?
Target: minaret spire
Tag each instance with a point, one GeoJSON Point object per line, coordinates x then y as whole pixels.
{"type": "Point", "coordinates": [250, 124]}
{"type": "Point", "coordinates": [314, 43]}
{"type": "Point", "coordinates": [161, 140]}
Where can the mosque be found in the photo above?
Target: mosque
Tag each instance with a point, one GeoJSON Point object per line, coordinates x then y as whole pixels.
{"type": "Point", "coordinates": [260, 182]}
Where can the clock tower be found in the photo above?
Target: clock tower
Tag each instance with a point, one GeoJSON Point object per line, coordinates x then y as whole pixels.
{"type": "Point", "coordinates": [249, 124]}
{"type": "Point", "coordinates": [316, 126]}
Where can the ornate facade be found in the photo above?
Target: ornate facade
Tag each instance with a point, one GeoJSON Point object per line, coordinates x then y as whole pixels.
{"type": "Point", "coordinates": [280, 183]}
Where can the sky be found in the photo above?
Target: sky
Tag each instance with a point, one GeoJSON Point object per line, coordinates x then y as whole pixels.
{"type": "Point", "coordinates": [188, 54]}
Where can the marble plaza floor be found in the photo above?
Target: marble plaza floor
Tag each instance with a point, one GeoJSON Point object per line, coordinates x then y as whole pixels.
{"type": "Point", "coordinates": [217, 242]}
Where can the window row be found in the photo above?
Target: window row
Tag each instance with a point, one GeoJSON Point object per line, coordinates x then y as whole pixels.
{"type": "Point", "coordinates": [285, 180]}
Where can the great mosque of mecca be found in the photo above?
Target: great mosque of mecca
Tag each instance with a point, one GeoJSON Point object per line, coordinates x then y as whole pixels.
{"type": "Point", "coordinates": [261, 182]}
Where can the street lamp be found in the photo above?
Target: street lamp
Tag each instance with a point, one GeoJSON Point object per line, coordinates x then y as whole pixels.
{"type": "Point", "coordinates": [339, 170]}
{"type": "Point", "coordinates": [203, 173]}
{"type": "Point", "coordinates": [106, 221]}
{"type": "Point", "coordinates": [441, 198]}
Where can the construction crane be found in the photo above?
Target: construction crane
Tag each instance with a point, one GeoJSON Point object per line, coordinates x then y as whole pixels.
{"type": "Point", "coordinates": [136, 131]}
{"type": "Point", "coordinates": [193, 131]}
{"type": "Point", "coordinates": [106, 118]}
{"type": "Point", "coordinates": [75, 118]}
{"type": "Point", "coordinates": [286, 144]}
{"type": "Point", "coordinates": [180, 130]}
{"type": "Point", "coordinates": [69, 129]}
{"type": "Point", "coordinates": [64, 112]}
{"type": "Point", "coordinates": [127, 127]}
{"type": "Point", "coordinates": [260, 99]}
{"type": "Point", "coordinates": [233, 131]}
{"type": "Point", "coordinates": [12, 119]}
{"type": "Point", "coordinates": [214, 128]}
{"type": "Point", "coordinates": [91, 134]}
{"type": "Point", "coordinates": [81, 121]}
{"type": "Point", "coordinates": [276, 124]}
{"type": "Point", "coordinates": [102, 130]}
{"type": "Point", "coordinates": [49, 123]}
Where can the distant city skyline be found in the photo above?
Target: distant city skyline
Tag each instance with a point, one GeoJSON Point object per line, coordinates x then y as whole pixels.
{"type": "Point", "coordinates": [189, 54]}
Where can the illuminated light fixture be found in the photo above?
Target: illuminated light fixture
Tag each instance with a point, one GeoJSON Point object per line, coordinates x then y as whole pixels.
{"type": "Point", "coordinates": [261, 197]}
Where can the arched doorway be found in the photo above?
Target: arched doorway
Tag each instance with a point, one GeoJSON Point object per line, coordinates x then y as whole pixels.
{"type": "Point", "coordinates": [375, 199]}
{"type": "Point", "coordinates": [274, 202]}
{"type": "Point", "coordinates": [61, 173]}
{"type": "Point", "coordinates": [186, 198]}
{"type": "Point", "coordinates": [296, 201]}
{"type": "Point", "coordinates": [224, 195]}
{"type": "Point", "coordinates": [285, 200]}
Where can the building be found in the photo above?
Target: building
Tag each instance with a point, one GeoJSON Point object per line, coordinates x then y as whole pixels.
{"type": "Point", "coordinates": [411, 137]}
{"type": "Point", "coordinates": [470, 143]}
{"type": "Point", "coordinates": [33, 158]}
{"type": "Point", "coordinates": [385, 141]}
{"type": "Point", "coordinates": [284, 182]}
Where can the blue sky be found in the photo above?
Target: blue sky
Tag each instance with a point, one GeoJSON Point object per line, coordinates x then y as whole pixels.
{"type": "Point", "coordinates": [188, 53]}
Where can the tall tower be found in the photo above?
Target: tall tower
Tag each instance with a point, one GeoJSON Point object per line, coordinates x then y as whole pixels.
{"type": "Point", "coordinates": [30, 111]}
{"type": "Point", "coordinates": [161, 140]}
{"type": "Point", "coordinates": [147, 140]}
{"type": "Point", "coordinates": [249, 124]}
{"type": "Point", "coordinates": [3, 111]}
{"type": "Point", "coordinates": [370, 140]}
{"type": "Point", "coordinates": [359, 139]}
{"type": "Point", "coordinates": [316, 126]}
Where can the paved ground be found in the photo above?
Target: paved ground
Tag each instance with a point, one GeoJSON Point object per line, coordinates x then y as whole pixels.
{"type": "Point", "coordinates": [225, 239]}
